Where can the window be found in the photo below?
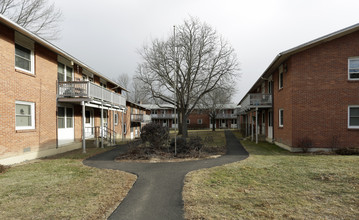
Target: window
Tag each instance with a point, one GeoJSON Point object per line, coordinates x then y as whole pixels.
{"type": "Point", "coordinates": [65, 117]}
{"type": "Point", "coordinates": [281, 117]}
{"type": "Point", "coordinates": [124, 128]}
{"type": "Point", "coordinates": [116, 119]}
{"type": "Point", "coordinates": [353, 68]}
{"type": "Point", "coordinates": [64, 73]}
{"type": "Point", "coordinates": [234, 121]}
{"type": "Point", "coordinates": [188, 121]}
{"type": "Point", "coordinates": [23, 58]}
{"type": "Point", "coordinates": [199, 121]}
{"type": "Point", "coordinates": [270, 84]}
{"type": "Point", "coordinates": [25, 115]}
{"type": "Point", "coordinates": [353, 116]}
{"type": "Point", "coordinates": [24, 53]}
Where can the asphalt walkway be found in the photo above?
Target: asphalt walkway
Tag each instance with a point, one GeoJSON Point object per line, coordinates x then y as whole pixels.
{"type": "Point", "coordinates": [157, 193]}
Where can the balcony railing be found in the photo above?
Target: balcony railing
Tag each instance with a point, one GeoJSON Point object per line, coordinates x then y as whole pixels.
{"type": "Point", "coordinates": [140, 118]}
{"type": "Point", "coordinates": [162, 116]}
{"type": "Point", "coordinates": [256, 100]}
{"type": "Point", "coordinates": [226, 116]}
{"type": "Point", "coordinates": [86, 89]}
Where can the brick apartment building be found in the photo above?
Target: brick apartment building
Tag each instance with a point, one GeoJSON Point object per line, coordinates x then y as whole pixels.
{"type": "Point", "coordinates": [198, 119]}
{"type": "Point", "coordinates": [310, 92]}
{"type": "Point", "coordinates": [51, 102]}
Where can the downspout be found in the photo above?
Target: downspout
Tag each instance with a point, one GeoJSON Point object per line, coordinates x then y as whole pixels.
{"type": "Point", "coordinates": [83, 127]}
{"type": "Point", "coordinates": [256, 125]}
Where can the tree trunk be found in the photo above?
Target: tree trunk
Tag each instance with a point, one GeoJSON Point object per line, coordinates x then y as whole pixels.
{"type": "Point", "coordinates": [184, 126]}
{"type": "Point", "coordinates": [179, 122]}
{"type": "Point", "coordinates": [213, 123]}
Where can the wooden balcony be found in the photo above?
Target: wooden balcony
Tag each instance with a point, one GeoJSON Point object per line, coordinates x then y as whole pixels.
{"type": "Point", "coordinates": [89, 91]}
{"type": "Point", "coordinates": [256, 100]}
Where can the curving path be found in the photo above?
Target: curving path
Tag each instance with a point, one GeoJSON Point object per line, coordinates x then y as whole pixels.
{"type": "Point", "coordinates": [157, 193]}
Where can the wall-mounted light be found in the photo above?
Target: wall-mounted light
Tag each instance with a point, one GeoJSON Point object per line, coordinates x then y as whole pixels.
{"type": "Point", "coordinates": [285, 68]}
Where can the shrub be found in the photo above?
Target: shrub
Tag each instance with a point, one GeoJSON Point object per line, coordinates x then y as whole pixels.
{"type": "Point", "coordinates": [305, 143]}
{"type": "Point", "coordinates": [347, 151]}
{"type": "Point", "coordinates": [181, 145]}
{"type": "Point", "coordinates": [2, 168]}
{"type": "Point", "coordinates": [195, 143]}
{"type": "Point", "coordinates": [155, 134]}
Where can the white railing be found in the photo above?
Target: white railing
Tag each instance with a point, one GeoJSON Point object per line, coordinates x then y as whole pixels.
{"type": "Point", "coordinates": [89, 90]}
{"type": "Point", "coordinates": [256, 100]}
{"type": "Point", "coordinates": [140, 118]}
{"type": "Point", "coordinates": [221, 115]}
{"type": "Point", "coordinates": [159, 116]}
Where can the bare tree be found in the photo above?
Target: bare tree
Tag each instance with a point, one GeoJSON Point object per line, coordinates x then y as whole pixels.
{"type": "Point", "coordinates": [124, 80]}
{"type": "Point", "coordinates": [216, 100]}
{"type": "Point", "coordinates": [200, 59]}
{"type": "Point", "coordinates": [138, 92]}
{"type": "Point", "coordinates": [38, 16]}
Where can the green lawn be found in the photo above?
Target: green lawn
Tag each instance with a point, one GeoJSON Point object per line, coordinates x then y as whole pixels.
{"type": "Point", "coordinates": [275, 184]}
{"type": "Point", "coordinates": [62, 188]}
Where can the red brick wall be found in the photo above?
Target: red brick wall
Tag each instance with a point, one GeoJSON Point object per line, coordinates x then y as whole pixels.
{"type": "Point", "coordinates": [39, 88]}
{"type": "Point", "coordinates": [321, 93]}
{"type": "Point", "coordinates": [283, 100]}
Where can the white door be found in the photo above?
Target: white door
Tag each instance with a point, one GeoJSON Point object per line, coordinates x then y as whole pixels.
{"type": "Point", "coordinates": [223, 123]}
{"type": "Point", "coordinates": [104, 124]}
{"type": "Point", "coordinates": [270, 124]}
{"type": "Point", "coordinates": [65, 125]}
{"type": "Point", "coordinates": [89, 128]}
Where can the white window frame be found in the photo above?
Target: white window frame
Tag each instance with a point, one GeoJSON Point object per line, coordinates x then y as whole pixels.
{"type": "Point", "coordinates": [65, 72]}
{"type": "Point", "coordinates": [32, 109]}
{"type": "Point", "coordinates": [280, 121]}
{"type": "Point", "coordinates": [28, 44]}
{"type": "Point", "coordinates": [281, 75]}
{"type": "Point", "coordinates": [349, 107]}
{"type": "Point", "coordinates": [349, 59]}
{"type": "Point", "coordinates": [199, 121]}
{"type": "Point", "coordinates": [116, 118]}
{"type": "Point", "coordinates": [66, 117]}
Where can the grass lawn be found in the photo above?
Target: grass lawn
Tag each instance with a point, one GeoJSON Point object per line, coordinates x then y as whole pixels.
{"type": "Point", "coordinates": [217, 138]}
{"type": "Point", "coordinates": [61, 187]}
{"type": "Point", "coordinates": [275, 184]}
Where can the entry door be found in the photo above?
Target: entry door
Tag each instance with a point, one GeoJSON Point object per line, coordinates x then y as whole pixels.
{"type": "Point", "coordinates": [65, 125]}
{"type": "Point", "coordinates": [89, 128]}
{"type": "Point", "coordinates": [104, 123]}
{"type": "Point", "coordinates": [223, 123]}
{"type": "Point", "coordinates": [270, 124]}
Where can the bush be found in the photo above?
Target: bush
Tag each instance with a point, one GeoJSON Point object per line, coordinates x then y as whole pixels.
{"type": "Point", "coordinates": [195, 143]}
{"type": "Point", "coordinates": [347, 151]}
{"type": "Point", "coordinates": [155, 134]}
{"type": "Point", "coordinates": [305, 143]}
{"type": "Point", "coordinates": [2, 168]}
{"type": "Point", "coordinates": [181, 145]}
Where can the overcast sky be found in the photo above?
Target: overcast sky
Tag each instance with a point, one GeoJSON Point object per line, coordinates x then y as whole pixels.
{"type": "Point", "coordinates": [106, 34]}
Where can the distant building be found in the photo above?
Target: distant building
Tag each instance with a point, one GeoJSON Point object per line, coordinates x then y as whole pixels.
{"type": "Point", "coordinates": [199, 118]}
{"type": "Point", "coordinates": [309, 95]}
